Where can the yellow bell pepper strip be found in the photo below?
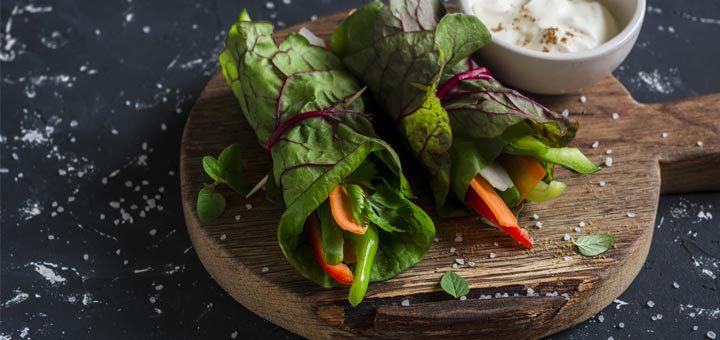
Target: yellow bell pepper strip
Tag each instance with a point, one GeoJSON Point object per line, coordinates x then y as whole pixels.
{"type": "Point", "coordinates": [487, 203]}
{"type": "Point", "coordinates": [340, 272]}
{"type": "Point", "coordinates": [525, 172]}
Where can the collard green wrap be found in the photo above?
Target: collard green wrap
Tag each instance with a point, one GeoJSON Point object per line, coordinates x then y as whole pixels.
{"type": "Point", "coordinates": [304, 109]}
{"type": "Point", "coordinates": [455, 118]}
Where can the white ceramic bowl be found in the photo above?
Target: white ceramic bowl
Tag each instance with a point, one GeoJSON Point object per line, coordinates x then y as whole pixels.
{"type": "Point", "coordinates": [559, 73]}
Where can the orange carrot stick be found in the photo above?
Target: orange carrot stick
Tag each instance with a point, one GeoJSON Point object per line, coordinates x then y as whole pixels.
{"type": "Point", "coordinates": [342, 212]}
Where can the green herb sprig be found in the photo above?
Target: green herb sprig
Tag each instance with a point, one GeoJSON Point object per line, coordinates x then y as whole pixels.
{"type": "Point", "coordinates": [593, 245]}
{"type": "Point", "coordinates": [226, 169]}
{"type": "Point", "coordinates": [454, 284]}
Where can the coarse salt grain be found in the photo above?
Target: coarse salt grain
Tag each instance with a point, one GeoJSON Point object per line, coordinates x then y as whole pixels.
{"type": "Point", "coordinates": [496, 244]}
{"type": "Point", "coordinates": [460, 261]}
{"type": "Point", "coordinates": [436, 240]}
{"type": "Point", "coordinates": [458, 237]}
{"type": "Point", "coordinates": [595, 144]}
{"type": "Point", "coordinates": [463, 298]}
{"type": "Point", "coordinates": [651, 304]}
{"type": "Point", "coordinates": [601, 183]}
{"type": "Point", "coordinates": [530, 291]}
{"type": "Point", "coordinates": [609, 152]}
{"type": "Point", "coordinates": [223, 237]}
{"type": "Point", "coordinates": [452, 250]}
{"type": "Point", "coordinates": [405, 303]}
{"type": "Point", "coordinates": [577, 229]}
{"type": "Point", "coordinates": [583, 99]}
{"type": "Point", "coordinates": [710, 334]}
{"type": "Point", "coordinates": [659, 316]}
{"type": "Point", "coordinates": [567, 258]}
{"type": "Point", "coordinates": [535, 216]}
{"type": "Point", "coordinates": [664, 135]}
{"type": "Point", "coordinates": [471, 264]}
{"type": "Point", "coordinates": [581, 224]}
{"type": "Point", "coordinates": [455, 266]}
{"type": "Point", "coordinates": [621, 325]}
{"type": "Point", "coordinates": [248, 206]}
{"type": "Point", "coordinates": [695, 328]}
{"type": "Point", "coordinates": [601, 318]}
{"type": "Point", "coordinates": [567, 237]}
{"type": "Point", "coordinates": [538, 224]}
{"type": "Point", "coordinates": [608, 161]}
{"type": "Point", "coordinates": [565, 113]}
{"type": "Point", "coordinates": [615, 116]}
{"type": "Point", "coordinates": [676, 285]}
{"type": "Point", "coordinates": [631, 214]}
{"type": "Point", "coordinates": [265, 269]}
{"type": "Point", "coordinates": [492, 255]}
{"type": "Point", "coordinates": [700, 143]}
{"type": "Point", "coordinates": [270, 5]}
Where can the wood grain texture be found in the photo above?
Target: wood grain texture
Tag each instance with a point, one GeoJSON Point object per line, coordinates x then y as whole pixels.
{"type": "Point", "coordinates": [236, 247]}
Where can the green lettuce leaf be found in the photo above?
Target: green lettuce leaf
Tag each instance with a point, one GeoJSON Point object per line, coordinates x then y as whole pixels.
{"type": "Point", "coordinates": [277, 85]}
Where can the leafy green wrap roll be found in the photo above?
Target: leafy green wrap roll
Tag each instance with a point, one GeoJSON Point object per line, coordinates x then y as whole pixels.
{"type": "Point", "coordinates": [468, 130]}
{"type": "Point", "coordinates": [307, 111]}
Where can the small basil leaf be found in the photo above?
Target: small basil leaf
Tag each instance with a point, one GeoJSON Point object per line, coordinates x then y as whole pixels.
{"type": "Point", "coordinates": [210, 204]}
{"type": "Point", "coordinates": [230, 162]}
{"type": "Point", "coordinates": [454, 284]}
{"type": "Point", "coordinates": [213, 169]}
{"type": "Point", "coordinates": [592, 245]}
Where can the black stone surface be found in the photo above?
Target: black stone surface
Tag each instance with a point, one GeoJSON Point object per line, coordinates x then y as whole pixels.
{"type": "Point", "coordinates": [94, 98]}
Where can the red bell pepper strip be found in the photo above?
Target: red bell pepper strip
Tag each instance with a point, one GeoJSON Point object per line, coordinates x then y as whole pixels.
{"type": "Point", "coordinates": [340, 272]}
{"type": "Point", "coordinates": [487, 203]}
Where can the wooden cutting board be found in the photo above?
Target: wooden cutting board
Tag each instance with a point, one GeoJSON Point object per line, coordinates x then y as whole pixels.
{"type": "Point", "coordinates": [534, 293]}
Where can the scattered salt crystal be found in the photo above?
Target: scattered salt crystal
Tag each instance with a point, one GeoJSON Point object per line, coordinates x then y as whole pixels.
{"type": "Point", "coordinates": [159, 287]}
{"type": "Point", "coordinates": [62, 172]}
{"type": "Point", "coordinates": [615, 116]}
{"type": "Point", "coordinates": [581, 224]}
{"type": "Point", "coordinates": [620, 303]}
{"type": "Point", "coordinates": [287, 2]}
{"type": "Point", "coordinates": [452, 250]}
{"type": "Point", "coordinates": [270, 5]}
{"type": "Point", "coordinates": [152, 299]}
{"type": "Point", "coordinates": [608, 161]}
{"type": "Point", "coordinates": [530, 292]}
{"type": "Point", "coordinates": [583, 99]}
{"type": "Point", "coordinates": [601, 183]}
{"type": "Point", "coordinates": [538, 224]}
{"type": "Point", "coordinates": [609, 152]}
{"type": "Point", "coordinates": [601, 318]}
{"type": "Point", "coordinates": [460, 261]}
{"type": "Point", "coordinates": [471, 264]}
{"type": "Point", "coordinates": [86, 257]}
{"type": "Point", "coordinates": [577, 229]}
{"type": "Point", "coordinates": [651, 304]}
{"type": "Point", "coordinates": [114, 131]}
{"type": "Point", "coordinates": [458, 237]}
{"type": "Point", "coordinates": [631, 214]}
{"type": "Point", "coordinates": [463, 298]}
{"type": "Point", "coordinates": [51, 237]}
{"type": "Point", "coordinates": [695, 328]}
{"type": "Point", "coordinates": [73, 123]}
{"type": "Point", "coordinates": [313, 17]}
{"type": "Point", "coordinates": [565, 113]}
{"type": "Point", "coordinates": [567, 258]}
{"type": "Point", "coordinates": [567, 237]}
{"type": "Point", "coordinates": [146, 29]}
{"type": "Point", "coordinates": [654, 318]}
{"type": "Point", "coordinates": [536, 217]}
{"type": "Point", "coordinates": [621, 325]}
{"type": "Point", "coordinates": [492, 255]}
{"type": "Point", "coordinates": [223, 237]}
{"type": "Point", "coordinates": [405, 303]}
{"type": "Point", "coordinates": [610, 338]}
{"type": "Point", "coordinates": [595, 144]}
{"type": "Point", "coordinates": [659, 316]}
{"type": "Point", "coordinates": [436, 239]}
{"type": "Point", "coordinates": [710, 334]}
{"type": "Point", "coordinates": [265, 269]}
{"type": "Point", "coordinates": [234, 335]}
{"type": "Point", "coordinates": [152, 232]}
{"type": "Point", "coordinates": [664, 135]}
{"type": "Point", "coordinates": [163, 126]}
{"type": "Point", "coordinates": [115, 204]}
{"type": "Point", "coordinates": [248, 206]}
{"type": "Point", "coordinates": [237, 217]}
{"type": "Point", "coordinates": [72, 299]}
{"type": "Point", "coordinates": [496, 244]}
{"type": "Point", "coordinates": [700, 143]}
{"type": "Point", "coordinates": [676, 285]}
{"type": "Point", "coordinates": [455, 266]}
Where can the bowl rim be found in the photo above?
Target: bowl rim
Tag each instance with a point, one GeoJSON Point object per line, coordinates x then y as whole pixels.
{"type": "Point", "coordinates": [625, 36]}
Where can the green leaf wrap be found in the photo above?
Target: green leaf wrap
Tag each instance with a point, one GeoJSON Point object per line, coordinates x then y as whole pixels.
{"type": "Point", "coordinates": [295, 96]}
{"type": "Point", "coordinates": [414, 58]}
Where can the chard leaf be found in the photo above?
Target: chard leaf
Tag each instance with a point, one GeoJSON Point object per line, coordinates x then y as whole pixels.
{"type": "Point", "coordinates": [279, 83]}
{"type": "Point", "coordinates": [363, 175]}
{"type": "Point", "coordinates": [210, 204]}
{"type": "Point", "coordinates": [593, 245]}
{"type": "Point", "coordinates": [454, 284]}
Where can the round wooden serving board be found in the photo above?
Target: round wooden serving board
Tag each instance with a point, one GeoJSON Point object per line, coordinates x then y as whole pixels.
{"type": "Point", "coordinates": [240, 248]}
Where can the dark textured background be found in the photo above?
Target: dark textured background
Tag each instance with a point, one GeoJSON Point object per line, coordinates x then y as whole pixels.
{"type": "Point", "coordinates": [94, 98]}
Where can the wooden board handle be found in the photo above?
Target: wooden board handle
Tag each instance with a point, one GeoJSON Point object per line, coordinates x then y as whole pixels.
{"type": "Point", "coordinates": [687, 166]}
{"type": "Point", "coordinates": [471, 317]}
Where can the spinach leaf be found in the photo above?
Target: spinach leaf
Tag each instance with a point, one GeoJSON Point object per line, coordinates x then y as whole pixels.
{"type": "Point", "coordinates": [231, 169]}
{"type": "Point", "coordinates": [296, 98]}
{"type": "Point", "coordinates": [454, 284]}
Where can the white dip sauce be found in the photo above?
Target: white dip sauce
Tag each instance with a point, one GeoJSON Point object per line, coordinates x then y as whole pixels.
{"type": "Point", "coordinates": [555, 26]}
